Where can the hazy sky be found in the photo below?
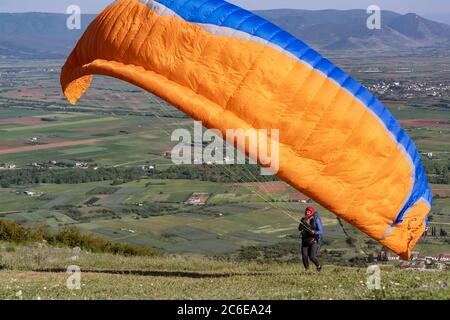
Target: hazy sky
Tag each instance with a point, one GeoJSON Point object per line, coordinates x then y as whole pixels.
{"type": "Point", "coordinates": [89, 6]}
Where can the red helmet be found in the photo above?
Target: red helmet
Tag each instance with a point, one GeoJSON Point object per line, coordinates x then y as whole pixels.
{"type": "Point", "coordinates": [312, 212]}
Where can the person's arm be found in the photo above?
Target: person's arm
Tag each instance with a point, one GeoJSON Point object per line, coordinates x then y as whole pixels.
{"type": "Point", "coordinates": [300, 225]}
{"type": "Point", "coordinates": [305, 227]}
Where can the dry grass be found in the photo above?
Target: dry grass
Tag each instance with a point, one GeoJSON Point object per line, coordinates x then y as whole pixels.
{"type": "Point", "coordinates": [39, 272]}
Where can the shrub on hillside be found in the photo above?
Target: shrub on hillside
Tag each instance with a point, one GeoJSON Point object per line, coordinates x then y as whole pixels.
{"type": "Point", "coordinates": [13, 232]}
{"type": "Point", "coordinates": [70, 237]}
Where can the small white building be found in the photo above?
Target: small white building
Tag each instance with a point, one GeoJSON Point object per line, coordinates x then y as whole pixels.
{"type": "Point", "coordinates": [8, 166]}
{"type": "Point", "coordinates": [82, 165]}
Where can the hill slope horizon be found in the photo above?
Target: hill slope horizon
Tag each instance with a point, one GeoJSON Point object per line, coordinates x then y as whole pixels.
{"type": "Point", "coordinates": [45, 35]}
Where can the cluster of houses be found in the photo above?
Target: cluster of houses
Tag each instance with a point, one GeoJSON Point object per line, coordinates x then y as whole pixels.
{"type": "Point", "coordinates": [40, 165]}
{"type": "Point", "coordinates": [198, 149]}
{"type": "Point", "coordinates": [8, 166]}
{"type": "Point", "coordinates": [409, 89]}
{"type": "Point", "coordinates": [417, 261]}
{"type": "Point", "coordinates": [78, 165]}
{"type": "Point", "coordinates": [85, 165]}
{"type": "Point", "coordinates": [81, 165]}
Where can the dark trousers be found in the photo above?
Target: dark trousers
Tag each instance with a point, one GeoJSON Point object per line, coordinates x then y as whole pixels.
{"type": "Point", "coordinates": [309, 251]}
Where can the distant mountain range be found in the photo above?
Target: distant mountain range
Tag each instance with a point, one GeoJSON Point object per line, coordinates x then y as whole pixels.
{"type": "Point", "coordinates": [38, 35]}
{"type": "Point", "coordinates": [347, 30]}
{"type": "Point", "coordinates": [439, 17]}
{"type": "Point", "coordinates": [44, 35]}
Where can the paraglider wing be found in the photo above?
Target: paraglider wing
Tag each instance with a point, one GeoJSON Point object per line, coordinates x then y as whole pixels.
{"type": "Point", "coordinates": [231, 69]}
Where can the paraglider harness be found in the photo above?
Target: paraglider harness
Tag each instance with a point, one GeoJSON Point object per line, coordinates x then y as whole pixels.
{"type": "Point", "coordinates": [316, 234]}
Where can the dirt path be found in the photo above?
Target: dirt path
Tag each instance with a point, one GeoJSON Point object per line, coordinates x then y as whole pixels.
{"type": "Point", "coordinates": [425, 123]}
{"type": "Point", "coordinates": [48, 146]}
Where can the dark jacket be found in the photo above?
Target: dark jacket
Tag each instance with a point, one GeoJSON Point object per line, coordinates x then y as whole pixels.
{"type": "Point", "coordinates": [309, 238]}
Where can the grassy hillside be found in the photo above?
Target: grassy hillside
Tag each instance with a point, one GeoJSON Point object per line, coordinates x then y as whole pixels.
{"type": "Point", "coordinates": [39, 272]}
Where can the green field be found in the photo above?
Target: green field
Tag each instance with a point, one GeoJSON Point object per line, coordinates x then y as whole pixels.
{"type": "Point", "coordinates": [118, 125]}
{"type": "Point", "coordinates": [216, 228]}
{"type": "Point", "coordinates": [115, 140]}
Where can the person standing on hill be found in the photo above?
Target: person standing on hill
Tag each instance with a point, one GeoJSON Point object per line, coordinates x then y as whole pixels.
{"type": "Point", "coordinates": [312, 232]}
